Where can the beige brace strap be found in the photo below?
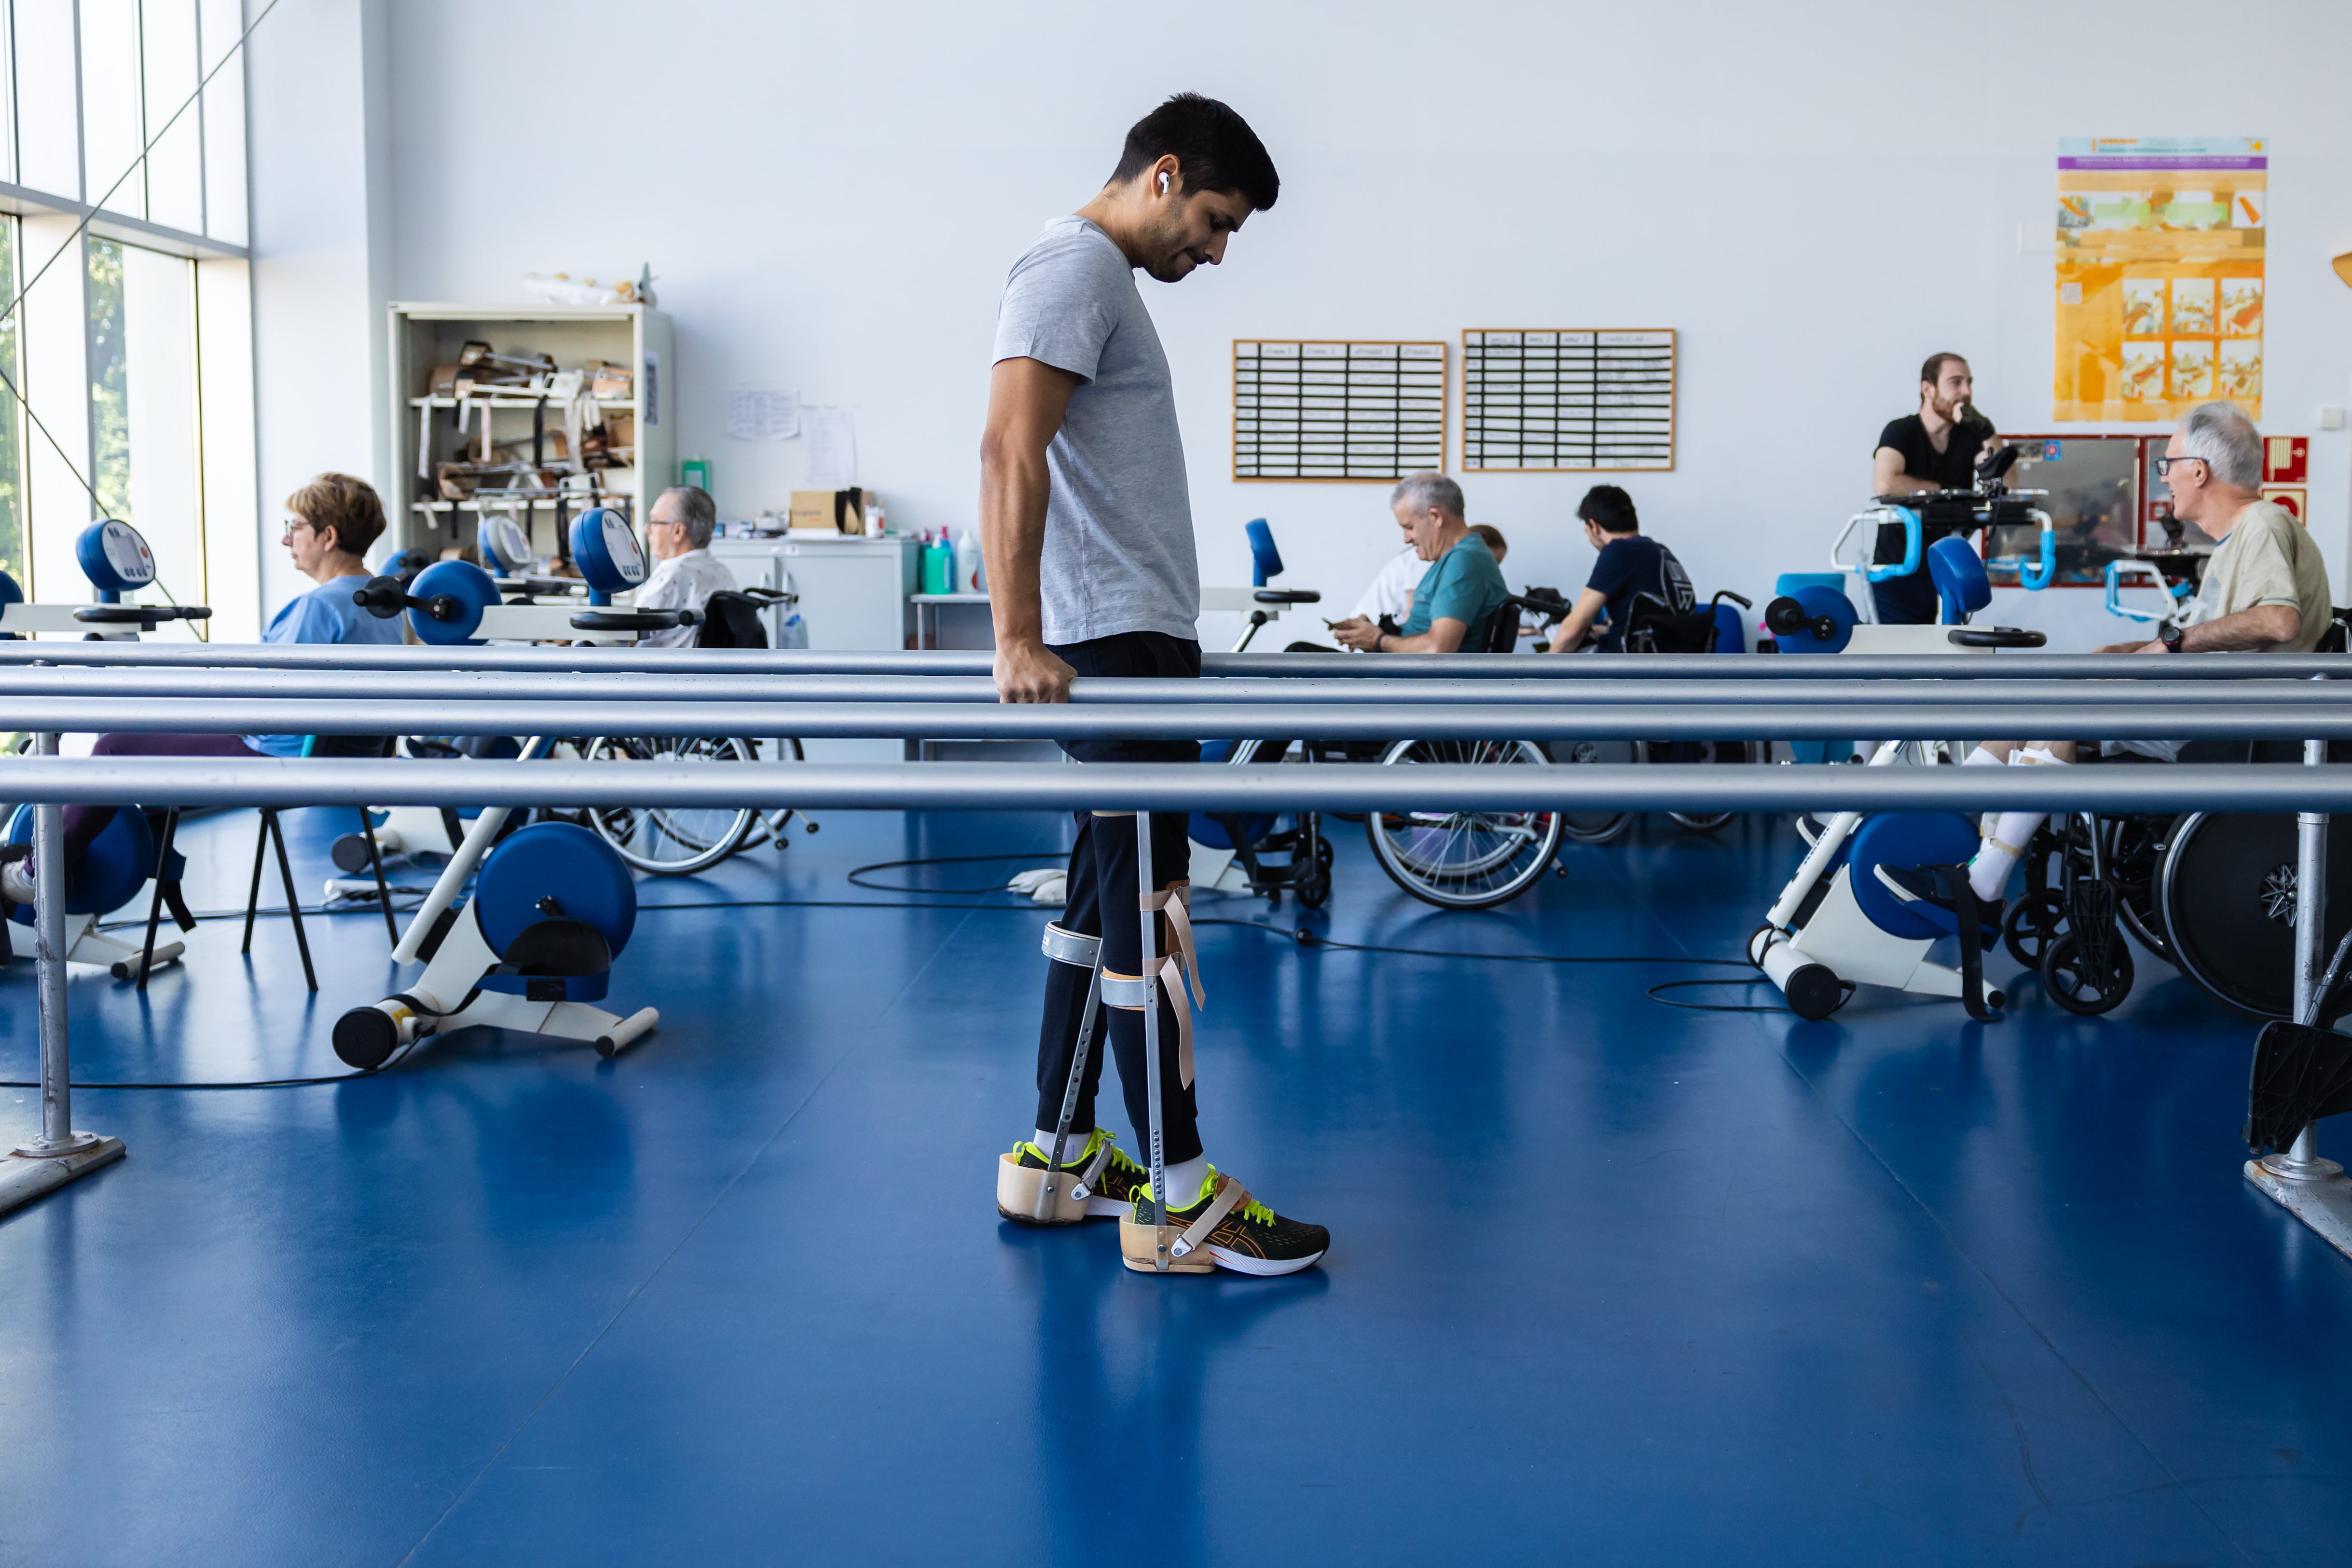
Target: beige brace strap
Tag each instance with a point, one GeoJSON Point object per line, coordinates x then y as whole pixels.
{"type": "Point", "coordinates": [1132, 993]}
{"type": "Point", "coordinates": [1231, 1195]}
{"type": "Point", "coordinates": [1174, 901]}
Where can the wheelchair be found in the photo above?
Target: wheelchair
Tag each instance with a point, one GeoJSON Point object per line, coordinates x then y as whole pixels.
{"type": "Point", "coordinates": [1655, 627]}
{"type": "Point", "coordinates": [2211, 894]}
{"type": "Point", "coordinates": [1455, 860]}
{"type": "Point", "coordinates": [679, 840]}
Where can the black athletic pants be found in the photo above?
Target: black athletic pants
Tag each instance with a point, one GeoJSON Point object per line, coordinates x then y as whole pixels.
{"type": "Point", "coordinates": [1103, 902]}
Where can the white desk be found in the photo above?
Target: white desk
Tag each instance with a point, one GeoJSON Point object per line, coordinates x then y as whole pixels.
{"type": "Point", "coordinates": [853, 597]}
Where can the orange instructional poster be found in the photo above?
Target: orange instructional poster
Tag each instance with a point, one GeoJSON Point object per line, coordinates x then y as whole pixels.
{"type": "Point", "coordinates": [2160, 275]}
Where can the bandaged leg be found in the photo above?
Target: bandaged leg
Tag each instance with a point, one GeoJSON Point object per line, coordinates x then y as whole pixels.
{"type": "Point", "coordinates": [2005, 845]}
{"type": "Point", "coordinates": [1982, 758]}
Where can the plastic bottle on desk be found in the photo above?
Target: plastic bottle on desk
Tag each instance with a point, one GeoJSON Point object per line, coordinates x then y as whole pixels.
{"type": "Point", "coordinates": [938, 567]}
{"type": "Point", "coordinates": [967, 562]}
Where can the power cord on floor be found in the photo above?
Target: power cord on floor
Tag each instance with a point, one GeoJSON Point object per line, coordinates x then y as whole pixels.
{"type": "Point", "coordinates": [858, 873]}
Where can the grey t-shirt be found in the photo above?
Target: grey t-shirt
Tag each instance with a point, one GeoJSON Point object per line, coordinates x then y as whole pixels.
{"type": "Point", "coordinates": [1119, 519]}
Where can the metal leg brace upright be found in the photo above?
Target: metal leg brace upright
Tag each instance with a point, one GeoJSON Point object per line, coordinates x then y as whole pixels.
{"type": "Point", "coordinates": [2311, 1188]}
{"type": "Point", "coordinates": [1145, 886]}
{"type": "Point", "coordinates": [59, 1153]}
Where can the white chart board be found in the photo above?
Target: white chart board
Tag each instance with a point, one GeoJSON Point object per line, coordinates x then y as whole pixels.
{"type": "Point", "coordinates": [1337, 410]}
{"type": "Point", "coordinates": [1594, 401]}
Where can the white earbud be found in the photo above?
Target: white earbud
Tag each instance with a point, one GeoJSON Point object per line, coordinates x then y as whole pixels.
{"type": "Point", "coordinates": [1163, 184]}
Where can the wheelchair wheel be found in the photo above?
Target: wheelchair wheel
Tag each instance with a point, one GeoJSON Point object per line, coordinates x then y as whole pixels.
{"type": "Point", "coordinates": [1597, 827]}
{"type": "Point", "coordinates": [2226, 893]}
{"type": "Point", "coordinates": [1465, 859]}
{"type": "Point", "coordinates": [671, 840]}
{"type": "Point", "coordinates": [2136, 847]}
{"type": "Point", "coordinates": [1314, 885]}
{"type": "Point", "coordinates": [2085, 981]}
{"type": "Point", "coordinates": [769, 826]}
{"type": "Point", "coordinates": [1701, 751]}
{"type": "Point", "coordinates": [2032, 925]}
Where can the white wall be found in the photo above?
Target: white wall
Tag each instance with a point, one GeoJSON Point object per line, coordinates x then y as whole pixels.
{"type": "Point", "coordinates": [1815, 197]}
{"type": "Point", "coordinates": [319, 143]}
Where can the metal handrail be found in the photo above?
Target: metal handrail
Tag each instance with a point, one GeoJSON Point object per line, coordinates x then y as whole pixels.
{"type": "Point", "coordinates": [2089, 713]}
{"type": "Point", "coordinates": [469, 686]}
{"type": "Point", "coordinates": [1286, 666]}
{"type": "Point", "coordinates": [980, 785]}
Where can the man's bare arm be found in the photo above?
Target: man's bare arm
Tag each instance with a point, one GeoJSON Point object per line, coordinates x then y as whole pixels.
{"type": "Point", "coordinates": [1026, 401]}
{"type": "Point", "coordinates": [1888, 478]}
{"type": "Point", "coordinates": [2258, 630]}
{"type": "Point", "coordinates": [1570, 633]}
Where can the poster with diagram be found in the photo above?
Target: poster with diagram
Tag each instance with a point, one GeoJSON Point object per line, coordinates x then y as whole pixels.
{"type": "Point", "coordinates": [2160, 275]}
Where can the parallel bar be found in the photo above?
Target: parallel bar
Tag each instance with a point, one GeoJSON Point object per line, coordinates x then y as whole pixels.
{"type": "Point", "coordinates": [1325, 666]}
{"type": "Point", "coordinates": [2089, 714]}
{"type": "Point", "coordinates": [1040, 787]}
{"type": "Point", "coordinates": [464, 686]}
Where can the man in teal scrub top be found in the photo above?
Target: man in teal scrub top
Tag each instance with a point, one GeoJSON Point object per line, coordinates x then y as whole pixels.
{"type": "Point", "coordinates": [1458, 597]}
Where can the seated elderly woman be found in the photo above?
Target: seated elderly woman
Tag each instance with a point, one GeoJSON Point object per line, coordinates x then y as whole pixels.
{"type": "Point", "coordinates": [330, 524]}
{"type": "Point", "coordinates": [685, 574]}
{"type": "Point", "coordinates": [1457, 598]}
{"type": "Point", "coordinates": [2265, 590]}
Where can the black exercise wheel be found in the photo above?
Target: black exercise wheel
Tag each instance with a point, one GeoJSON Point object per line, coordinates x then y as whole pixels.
{"type": "Point", "coordinates": [2088, 978]}
{"type": "Point", "coordinates": [2226, 892]}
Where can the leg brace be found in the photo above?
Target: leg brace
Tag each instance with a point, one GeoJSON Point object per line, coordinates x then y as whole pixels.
{"type": "Point", "coordinates": [1086, 953]}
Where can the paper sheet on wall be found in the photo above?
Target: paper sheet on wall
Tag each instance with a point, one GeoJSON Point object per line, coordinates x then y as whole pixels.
{"type": "Point", "coordinates": [2159, 275]}
{"type": "Point", "coordinates": [763, 413]}
{"type": "Point", "coordinates": [832, 448]}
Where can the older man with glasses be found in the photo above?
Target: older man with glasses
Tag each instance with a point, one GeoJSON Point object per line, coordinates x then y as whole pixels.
{"type": "Point", "coordinates": [2265, 591]}
{"type": "Point", "coordinates": [685, 574]}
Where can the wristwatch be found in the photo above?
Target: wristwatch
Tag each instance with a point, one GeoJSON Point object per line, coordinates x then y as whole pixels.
{"type": "Point", "coordinates": [2170, 637]}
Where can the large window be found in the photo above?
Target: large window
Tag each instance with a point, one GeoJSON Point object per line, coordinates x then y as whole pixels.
{"type": "Point", "coordinates": [122, 221]}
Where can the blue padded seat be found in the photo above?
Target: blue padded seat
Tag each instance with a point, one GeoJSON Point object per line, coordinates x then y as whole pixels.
{"type": "Point", "coordinates": [1958, 574]}
{"type": "Point", "coordinates": [1902, 841]}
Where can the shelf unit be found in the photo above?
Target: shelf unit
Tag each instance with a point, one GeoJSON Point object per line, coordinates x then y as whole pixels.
{"type": "Point", "coordinates": [424, 335]}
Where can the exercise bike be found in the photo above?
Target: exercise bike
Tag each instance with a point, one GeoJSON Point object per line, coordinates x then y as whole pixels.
{"type": "Point", "coordinates": [1874, 894]}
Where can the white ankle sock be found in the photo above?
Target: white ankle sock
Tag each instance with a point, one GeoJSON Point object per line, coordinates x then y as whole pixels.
{"type": "Point", "coordinates": [1980, 757]}
{"type": "Point", "coordinates": [1071, 1148]}
{"type": "Point", "coordinates": [1184, 1179]}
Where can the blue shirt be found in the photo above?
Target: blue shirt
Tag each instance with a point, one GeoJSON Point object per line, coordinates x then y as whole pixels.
{"type": "Point", "coordinates": [1464, 584]}
{"type": "Point", "coordinates": [325, 614]}
{"type": "Point", "coordinates": [1631, 565]}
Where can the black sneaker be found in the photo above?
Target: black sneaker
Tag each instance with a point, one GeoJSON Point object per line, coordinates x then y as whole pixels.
{"type": "Point", "coordinates": [1248, 1237]}
{"type": "Point", "coordinates": [1096, 1180]}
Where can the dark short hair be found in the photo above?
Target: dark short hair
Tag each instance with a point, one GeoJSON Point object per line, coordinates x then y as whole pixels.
{"type": "Point", "coordinates": [349, 506]}
{"type": "Point", "coordinates": [1213, 146]}
{"type": "Point", "coordinates": [1609, 509]}
{"type": "Point", "coordinates": [1933, 370]}
{"type": "Point", "coordinates": [1496, 542]}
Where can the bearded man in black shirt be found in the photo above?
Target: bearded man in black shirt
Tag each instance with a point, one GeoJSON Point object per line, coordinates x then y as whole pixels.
{"type": "Point", "coordinates": [1938, 448]}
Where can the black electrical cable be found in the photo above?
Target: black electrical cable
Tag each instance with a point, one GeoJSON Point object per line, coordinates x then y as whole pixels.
{"type": "Point", "coordinates": [858, 873]}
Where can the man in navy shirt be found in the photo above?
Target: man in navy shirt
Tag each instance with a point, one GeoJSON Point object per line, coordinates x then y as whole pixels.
{"type": "Point", "coordinates": [1630, 566]}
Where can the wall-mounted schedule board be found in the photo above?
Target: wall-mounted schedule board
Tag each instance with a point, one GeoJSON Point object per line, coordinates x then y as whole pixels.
{"type": "Point", "coordinates": [1593, 399]}
{"type": "Point", "coordinates": [1337, 410]}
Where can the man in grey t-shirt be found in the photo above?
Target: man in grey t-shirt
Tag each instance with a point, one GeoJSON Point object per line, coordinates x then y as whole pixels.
{"type": "Point", "coordinates": [1087, 530]}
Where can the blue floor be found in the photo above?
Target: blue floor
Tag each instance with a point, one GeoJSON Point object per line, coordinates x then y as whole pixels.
{"type": "Point", "coordinates": [1611, 1283]}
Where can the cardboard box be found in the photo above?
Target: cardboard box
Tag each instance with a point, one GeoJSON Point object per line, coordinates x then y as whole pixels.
{"type": "Point", "coordinates": [841, 510]}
